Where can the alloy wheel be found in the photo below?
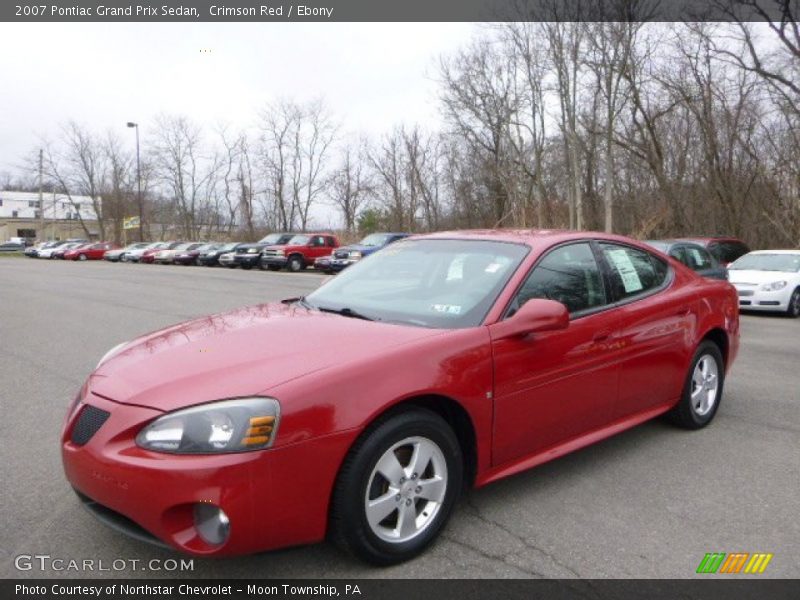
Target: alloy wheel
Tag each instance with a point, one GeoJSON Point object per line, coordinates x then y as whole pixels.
{"type": "Point", "coordinates": [406, 489]}
{"type": "Point", "coordinates": [705, 385]}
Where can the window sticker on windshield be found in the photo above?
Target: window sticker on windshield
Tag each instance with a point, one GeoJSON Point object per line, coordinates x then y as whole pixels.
{"type": "Point", "coordinates": [447, 309]}
{"type": "Point", "coordinates": [493, 268]}
{"type": "Point", "coordinates": [627, 272]}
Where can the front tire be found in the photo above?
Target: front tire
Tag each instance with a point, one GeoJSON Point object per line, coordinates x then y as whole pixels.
{"type": "Point", "coordinates": [793, 310]}
{"type": "Point", "coordinates": [702, 391]}
{"type": "Point", "coordinates": [397, 487]}
{"type": "Point", "coordinates": [295, 264]}
{"type": "Point", "coordinates": [82, 257]}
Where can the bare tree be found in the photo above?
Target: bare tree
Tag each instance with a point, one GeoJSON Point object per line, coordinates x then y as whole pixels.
{"type": "Point", "coordinates": [350, 185]}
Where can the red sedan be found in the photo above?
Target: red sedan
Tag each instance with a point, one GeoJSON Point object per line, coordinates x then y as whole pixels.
{"type": "Point", "coordinates": [89, 251]}
{"type": "Point", "coordinates": [360, 411]}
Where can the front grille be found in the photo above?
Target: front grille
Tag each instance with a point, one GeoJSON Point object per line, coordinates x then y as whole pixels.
{"type": "Point", "coordinates": [745, 302]}
{"type": "Point", "coordinates": [746, 292]}
{"type": "Point", "coordinates": [271, 253]}
{"type": "Point", "coordinates": [89, 421]}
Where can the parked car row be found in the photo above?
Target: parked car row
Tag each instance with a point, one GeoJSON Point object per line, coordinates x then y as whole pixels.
{"type": "Point", "coordinates": [766, 280]}
{"type": "Point", "coordinates": [72, 249]}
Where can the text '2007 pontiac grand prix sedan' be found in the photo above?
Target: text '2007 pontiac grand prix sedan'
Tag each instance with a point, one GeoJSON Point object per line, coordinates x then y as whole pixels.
{"type": "Point", "coordinates": [361, 411]}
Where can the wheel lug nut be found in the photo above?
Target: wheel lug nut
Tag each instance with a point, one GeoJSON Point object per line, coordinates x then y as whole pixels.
{"type": "Point", "coordinates": [397, 497]}
{"type": "Point", "coordinates": [408, 502]}
{"type": "Point", "coordinates": [414, 476]}
{"type": "Point", "coordinates": [402, 480]}
{"type": "Point", "coordinates": [419, 489]}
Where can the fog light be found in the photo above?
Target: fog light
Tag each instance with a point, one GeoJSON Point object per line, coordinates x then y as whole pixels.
{"type": "Point", "coordinates": [212, 523]}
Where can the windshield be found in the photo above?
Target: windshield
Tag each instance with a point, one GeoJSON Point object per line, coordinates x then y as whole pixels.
{"type": "Point", "coordinates": [787, 263]}
{"type": "Point", "coordinates": [181, 247]}
{"type": "Point", "coordinates": [276, 239]}
{"type": "Point", "coordinates": [445, 284]}
{"type": "Point", "coordinates": [376, 239]}
{"type": "Point", "coordinates": [228, 247]}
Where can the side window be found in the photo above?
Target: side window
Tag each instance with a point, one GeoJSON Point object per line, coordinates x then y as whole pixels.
{"type": "Point", "coordinates": [716, 250]}
{"type": "Point", "coordinates": [317, 240]}
{"type": "Point", "coordinates": [678, 254]}
{"type": "Point", "coordinates": [633, 271]}
{"type": "Point", "coordinates": [569, 275]}
{"type": "Point", "coordinates": [698, 258]}
{"type": "Point", "coordinates": [329, 241]}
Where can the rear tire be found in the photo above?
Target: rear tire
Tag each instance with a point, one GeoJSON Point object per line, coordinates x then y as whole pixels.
{"type": "Point", "coordinates": [702, 392]}
{"type": "Point", "coordinates": [793, 310]}
{"type": "Point", "coordinates": [397, 487]}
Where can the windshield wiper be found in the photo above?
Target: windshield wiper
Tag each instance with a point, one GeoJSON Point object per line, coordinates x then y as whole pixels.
{"type": "Point", "coordinates": [301, 300]}
{"type": "Point", "coordinates": [346, 312]}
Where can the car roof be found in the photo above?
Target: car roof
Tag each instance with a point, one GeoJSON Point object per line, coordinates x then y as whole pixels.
{"type": "Point", "coordinates": [709, 239]}
{"type": "Point", "coordinates": [775, 252]}
{"type": "Point", "coordinates": [530, 237]}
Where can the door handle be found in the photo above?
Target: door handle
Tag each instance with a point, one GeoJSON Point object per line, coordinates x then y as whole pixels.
{"type": "Point", "coordinates": [601, 336]}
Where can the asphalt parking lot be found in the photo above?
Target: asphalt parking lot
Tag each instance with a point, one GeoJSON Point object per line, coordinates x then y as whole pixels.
{"type": "Point", "coordinates": [647, 503]}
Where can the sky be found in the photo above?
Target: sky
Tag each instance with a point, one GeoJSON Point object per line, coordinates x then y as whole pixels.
{"type": "Point", "coordinates": [373, 75]}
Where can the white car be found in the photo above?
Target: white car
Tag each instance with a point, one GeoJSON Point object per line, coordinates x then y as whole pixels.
{"type": "Point", "coordinates": [135, 255]}
{"type": "Point", "coordinates": [768, 280]}
{"type": "Point", "coordinates": [48, 252]}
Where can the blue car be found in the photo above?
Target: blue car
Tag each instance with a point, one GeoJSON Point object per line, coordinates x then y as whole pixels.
{"type": "Point", "coordinates": [344, 256]}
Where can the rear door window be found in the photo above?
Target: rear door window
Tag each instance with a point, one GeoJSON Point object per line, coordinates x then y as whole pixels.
{"type": "Point", "coordinates": [633, 271]}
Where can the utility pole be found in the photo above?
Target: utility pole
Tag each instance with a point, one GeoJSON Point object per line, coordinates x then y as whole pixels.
{"type": "Point", "coordinates": [138, 183]}
{"type": "Point", "coordinates": [41, 201]}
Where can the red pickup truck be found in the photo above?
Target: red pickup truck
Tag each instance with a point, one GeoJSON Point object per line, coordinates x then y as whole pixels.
{"type": "Point", "coordinates": [300, 252]}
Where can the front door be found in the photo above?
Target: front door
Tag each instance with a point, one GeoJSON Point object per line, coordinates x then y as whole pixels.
{"type": "Point", "coordinates": [555, 386]}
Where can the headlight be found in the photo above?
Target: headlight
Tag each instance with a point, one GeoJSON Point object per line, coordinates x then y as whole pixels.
{"type": "Point", "coordinates": [227, 426]}
{"type": "Point", "coordinates": [278, 252]}
{"type": "Point", "coordinates": [115, 350]}
{"type": "Point", "coordinates": [252, 250]}
{"type": "Point", "coordinates": [355, 254]}
{"type": "Point", "coordinates": [774, 286]}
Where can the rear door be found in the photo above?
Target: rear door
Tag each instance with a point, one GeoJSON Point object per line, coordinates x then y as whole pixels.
{"type": "Point", "coordinates": [555, 386]}
{"type": "Point", "coordinates": [656, 326]}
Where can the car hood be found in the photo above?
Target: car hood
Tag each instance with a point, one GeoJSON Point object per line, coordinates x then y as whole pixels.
{"type": "Point", "coordinates": [757, 277]}
{"type": "Point", "coordinates": [244, 352]}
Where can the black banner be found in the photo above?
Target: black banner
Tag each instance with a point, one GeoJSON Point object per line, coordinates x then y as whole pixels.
{"type": "Point", "coordinates": [394, 10]}
{"type": "Point", "coordinates": [211, 589]}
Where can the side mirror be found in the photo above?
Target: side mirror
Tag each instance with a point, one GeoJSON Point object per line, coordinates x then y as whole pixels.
{"type": "Point", "coordinates": [535, 316]}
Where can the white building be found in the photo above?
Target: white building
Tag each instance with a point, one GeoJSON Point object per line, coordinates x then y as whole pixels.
{"type": "Point", "coordinates": [21, 216]}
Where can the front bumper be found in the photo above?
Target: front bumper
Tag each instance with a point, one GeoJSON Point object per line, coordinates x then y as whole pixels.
{"type": "Point", "coordinates": [273, 261]}
{"type": "Point", "coordinates": [339, 264]}
{"type": "Point", "coordinates": [247, 260]}
{"type": "Point", "coordinates": [759, 300]}
{"type": "Point", "coordinates": [208, 260]}
{"type": "Point", "coordinates": [273, 498]}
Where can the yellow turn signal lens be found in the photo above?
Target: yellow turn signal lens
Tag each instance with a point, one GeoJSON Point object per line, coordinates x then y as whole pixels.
{"type": "Point", "coordinates": [256, 440]}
